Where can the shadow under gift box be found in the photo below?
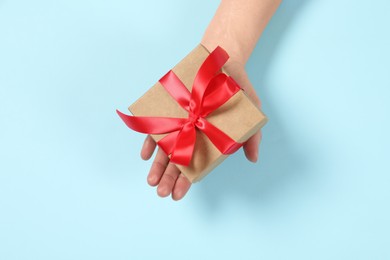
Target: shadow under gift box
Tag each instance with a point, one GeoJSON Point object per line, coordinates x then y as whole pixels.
{"type": "Point", "coordinates": [239, 117]}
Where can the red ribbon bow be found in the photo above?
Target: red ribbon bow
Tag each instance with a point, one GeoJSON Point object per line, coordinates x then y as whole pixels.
{"type": "Point", "coordinates": [211, 89]}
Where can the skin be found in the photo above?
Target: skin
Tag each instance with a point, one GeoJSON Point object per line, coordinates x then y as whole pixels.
{"type": "Point", "coordinates": [236, 27]}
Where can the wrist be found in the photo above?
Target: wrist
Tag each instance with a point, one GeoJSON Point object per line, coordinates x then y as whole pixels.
{"type": "Point", "coordinates": [225, 30]}
{"type": "Point", "coordinates": [236, 26]}
{"type": "Point", "coordinates": [236, 54]}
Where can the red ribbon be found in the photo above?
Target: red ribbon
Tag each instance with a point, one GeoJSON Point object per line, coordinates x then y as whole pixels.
{"type": "Point", "coordinates": [211, 89]}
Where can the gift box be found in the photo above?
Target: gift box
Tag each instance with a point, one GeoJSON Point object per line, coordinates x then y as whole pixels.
{"type": "Point", "coordinates": [196, 113]}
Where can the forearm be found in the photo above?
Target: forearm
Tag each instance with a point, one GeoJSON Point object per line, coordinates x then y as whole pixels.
{"type": "Point", "coordinates": [237, 26]}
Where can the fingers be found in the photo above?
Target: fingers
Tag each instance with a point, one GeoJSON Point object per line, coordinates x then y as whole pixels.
{"type": "Point", "coordinates": [251, 147]}
{"type": "Point", "coordinates": [181, 187]}
{"type": "Point", "coordinates": [158, 167]}
{"type": "Point", "coordinates": [148, 148]}
{"type": "Point", "coordinates": [168, 177]}
{"type": "Point", "coordinates": [168, 180]}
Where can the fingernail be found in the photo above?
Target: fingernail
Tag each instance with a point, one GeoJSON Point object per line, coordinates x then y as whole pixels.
{"type": "Point", "coordinates": [151, 179]}
{"type": "Point", "coordinates": [179, 195]}
{"type": "Point", "coordinates": [162, 191]}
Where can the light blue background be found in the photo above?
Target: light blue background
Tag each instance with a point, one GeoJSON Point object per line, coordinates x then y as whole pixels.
{"type": "Point", "coordinates": [72, 185]}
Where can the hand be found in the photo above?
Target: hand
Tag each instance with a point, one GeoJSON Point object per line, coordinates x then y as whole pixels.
{"type": "Point", "coordinates": [166, 175]}
{"type": "Point", "coordinates": [226, 30]}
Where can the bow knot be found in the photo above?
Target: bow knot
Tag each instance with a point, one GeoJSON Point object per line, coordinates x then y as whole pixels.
{"type": "Point", "coordinates": [193, 118]}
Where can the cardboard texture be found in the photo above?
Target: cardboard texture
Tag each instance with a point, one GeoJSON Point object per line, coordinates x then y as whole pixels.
{"type": "Point", "coordinates": [238, 117]}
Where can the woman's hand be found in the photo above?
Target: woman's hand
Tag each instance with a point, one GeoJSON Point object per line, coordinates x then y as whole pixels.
{"type": "Point", "coordinates": [236, 27]}
{"type": "Point", "coordinates": [166, 176]}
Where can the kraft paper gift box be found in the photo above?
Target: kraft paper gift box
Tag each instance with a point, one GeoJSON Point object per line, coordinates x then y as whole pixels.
{"type": "Point", "coordinates": [238, 117]}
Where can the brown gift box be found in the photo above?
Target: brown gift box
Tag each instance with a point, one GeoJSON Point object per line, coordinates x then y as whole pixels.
{"type": "Point", "coordinates": [239, 118]}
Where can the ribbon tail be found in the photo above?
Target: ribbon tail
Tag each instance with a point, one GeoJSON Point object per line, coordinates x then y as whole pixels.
{"type": "Point", "coordinates": [222, 141]}
{"type": "Point", "coordinates": [152, 125]}
{"type": "Point", "coordinates": [168, 142]}
{"type": "Point", "coordinates": [184, 147]}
